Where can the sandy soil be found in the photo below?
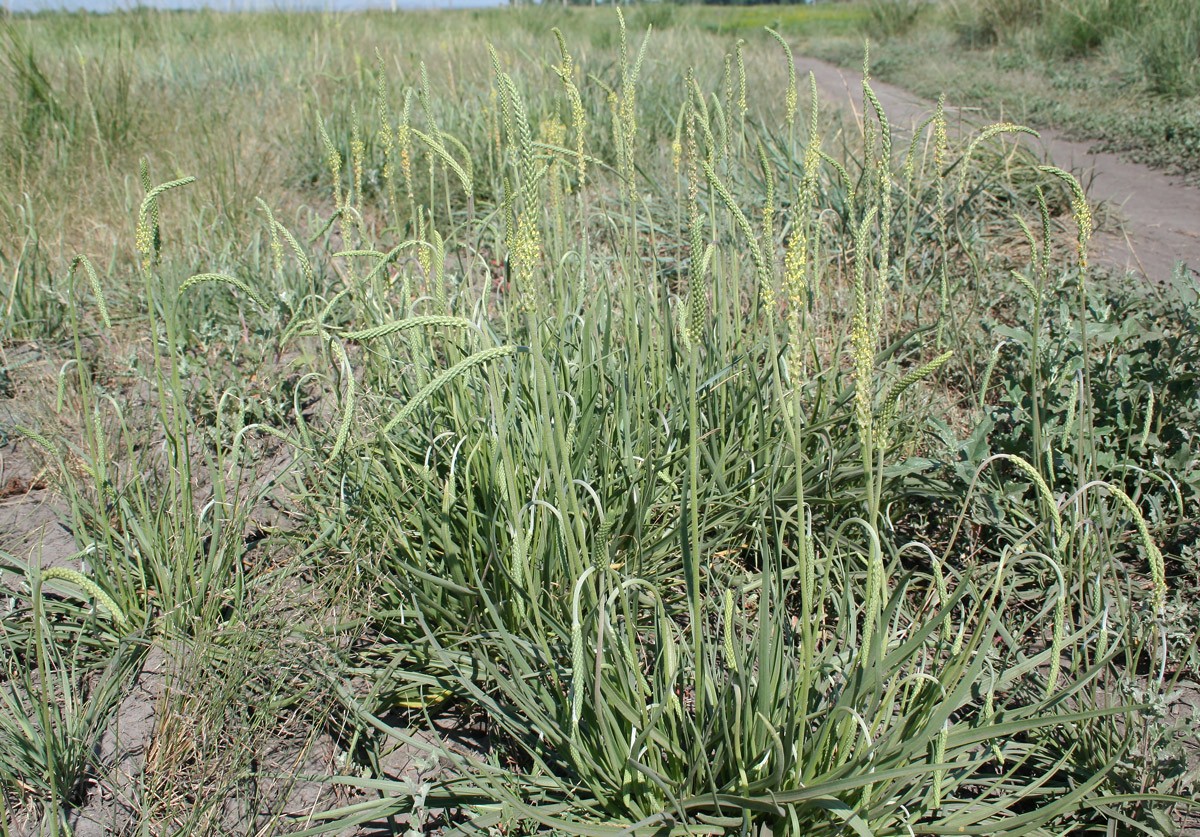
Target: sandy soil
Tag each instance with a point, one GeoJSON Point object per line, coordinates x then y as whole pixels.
{"type": "Point", "coordinates": [1159, 215]}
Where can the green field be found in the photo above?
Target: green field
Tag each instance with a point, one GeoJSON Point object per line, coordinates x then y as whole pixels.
{"type": "Point", "coordinates": [547, 421]}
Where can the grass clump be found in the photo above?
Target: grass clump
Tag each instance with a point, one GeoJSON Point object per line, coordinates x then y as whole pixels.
{"type": "Point", "coordinates": [1161, 38]}
{"type": "Point", "coordinates": [607, 409]}
{"type": "Point", "coordinates": [890, 18]}
{"type": "Point", "coordinates": [1169, 45]}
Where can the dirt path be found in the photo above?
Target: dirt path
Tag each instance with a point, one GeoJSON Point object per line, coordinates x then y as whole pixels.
{"type": "Point", "coordinates": [1159, 216]}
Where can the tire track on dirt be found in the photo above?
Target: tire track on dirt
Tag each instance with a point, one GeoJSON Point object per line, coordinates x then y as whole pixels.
{"type": "Point", "coordinates": [1159, 215]}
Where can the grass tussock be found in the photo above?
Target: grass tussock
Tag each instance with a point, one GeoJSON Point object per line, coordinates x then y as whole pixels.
{"type": "Point", "coordinates": [1159, 37]}
{"type": "Point", "coordinates": [582, 432]}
